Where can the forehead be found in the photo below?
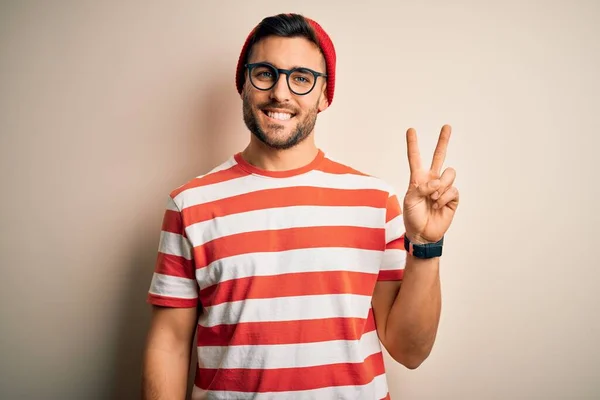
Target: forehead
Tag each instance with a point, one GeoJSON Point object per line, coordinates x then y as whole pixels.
{"type": "Point", "coordinates": [288, 53]}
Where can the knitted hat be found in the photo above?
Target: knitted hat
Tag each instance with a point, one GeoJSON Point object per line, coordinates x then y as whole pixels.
{"type": "Point", "coordinates": [325, 44]}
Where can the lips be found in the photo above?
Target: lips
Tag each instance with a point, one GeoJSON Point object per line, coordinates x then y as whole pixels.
{"type": "Point", "coordinates": [279, 115]}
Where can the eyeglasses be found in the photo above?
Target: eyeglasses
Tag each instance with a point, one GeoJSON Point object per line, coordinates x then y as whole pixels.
{"type": "Point", "coordinates": [301, 81]}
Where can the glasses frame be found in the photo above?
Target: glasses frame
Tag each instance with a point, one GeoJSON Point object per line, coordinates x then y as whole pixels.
{"type": "Point", "coordinates": [286, 72]}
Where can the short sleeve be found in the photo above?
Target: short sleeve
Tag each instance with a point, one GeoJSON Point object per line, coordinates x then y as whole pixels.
{"type": "Point", "coordinates": [173, 282]}
{"type": "Point", "coordinates": [394, 256]}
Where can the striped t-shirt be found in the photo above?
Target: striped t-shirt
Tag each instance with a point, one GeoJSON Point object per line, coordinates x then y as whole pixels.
{"type": "Point", "coordinates": [284, 265]}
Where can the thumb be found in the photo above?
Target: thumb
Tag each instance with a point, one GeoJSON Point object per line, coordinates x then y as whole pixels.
{"type": "Point", "coordinates": [427, 189]}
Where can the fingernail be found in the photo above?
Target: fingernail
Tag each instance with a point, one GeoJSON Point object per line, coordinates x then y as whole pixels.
{"type": "Point", "coordinates": [435, 205]}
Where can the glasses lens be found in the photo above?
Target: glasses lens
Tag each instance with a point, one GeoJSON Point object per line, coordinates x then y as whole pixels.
{"type": "Point", "coordinates": [263, 76]}
{"type": "Point", "coordinates": [301, 81]}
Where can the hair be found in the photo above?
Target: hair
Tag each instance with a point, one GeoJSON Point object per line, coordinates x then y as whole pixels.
{"type": "Point", "coordinates": [282, 25]}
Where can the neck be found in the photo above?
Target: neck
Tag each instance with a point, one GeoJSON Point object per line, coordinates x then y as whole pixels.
{"type": "Point", "coordinates": [264, 157]}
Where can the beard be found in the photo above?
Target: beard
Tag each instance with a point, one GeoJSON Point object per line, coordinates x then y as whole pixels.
{"type": "Point", "coordinates": [303, 128]}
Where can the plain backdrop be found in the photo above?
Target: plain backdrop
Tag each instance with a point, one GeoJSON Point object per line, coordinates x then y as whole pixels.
{"type": "Point", "coordinates": [105, 107]}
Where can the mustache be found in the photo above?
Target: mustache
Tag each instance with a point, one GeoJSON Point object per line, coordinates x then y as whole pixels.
{"type": "Point", "coordinates": [279, 106]}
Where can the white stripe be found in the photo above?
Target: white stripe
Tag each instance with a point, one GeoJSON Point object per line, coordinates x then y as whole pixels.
{"type": "Point", "coordinates": [374, 390]}
{"type": "Point", "coordinates": [175, 244]}
{"type": "Point", "coordinates": [171, 205]}
{"type": "Point", "coordinates": [289, 355]}
{"type": "Point", "coordinates": [225, 165]}
{"type": "Point", "coordinates": [251, 183]}
{"type": "Point", "coordinates": [394, 228]}
{"type": "Point", "coordinates": [393, 259]}
{"type": "Point", "coordinates": [285, 218]}
{"type": "Point", "coordinates": [173, 286]}
{"type": "Point", "coordinates": [288, 262]}
{"type": "Point", "coordinates": [291, 308]}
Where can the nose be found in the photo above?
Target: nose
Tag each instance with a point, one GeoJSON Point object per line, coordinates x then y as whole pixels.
{"type": "Point", "coordinates": [281, 92]}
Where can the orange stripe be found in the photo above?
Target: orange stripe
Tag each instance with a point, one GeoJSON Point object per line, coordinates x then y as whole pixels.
{"type": "Point", "coordinates": [293, 284]}
{"type": "Point", "coordinates": [211, 178]}
{"type": "Point", "coordinates": [168, 264]}
{"type": "Point", "coordinates": [286, 332]}
{"type": "Point", "coordinates": [165, 301]}
{"type": "Point", "coordinates": [284, 197]}
{"type": "Point", "coordinates": [396, 244]}
{"type": "Point", "coordinates": [370, 326]}
{"type": "Point", "coordinates": [172, 222]}
{"type": "Point", "coordinates": [289, 239]}
{"type": "Point", "coordinates": [290, 379]}
{"type": "Point", "coordinates": [387, 397]}
{"type": "Point", "coordinates": [393, 208]}
{"type": "Point", "coordinates": [391, 275]}
{"type": "Point", "coordinates": [332, 167]}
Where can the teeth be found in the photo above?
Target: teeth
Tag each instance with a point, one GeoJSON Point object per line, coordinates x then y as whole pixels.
{"type": "Point", "coordinates": [279, 116]}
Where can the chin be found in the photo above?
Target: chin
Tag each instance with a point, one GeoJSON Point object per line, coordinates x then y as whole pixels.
{"type": "Point", "coordinates": [279, 139]}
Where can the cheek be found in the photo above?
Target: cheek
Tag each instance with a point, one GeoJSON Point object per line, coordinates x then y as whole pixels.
{"type": "Point", "coordinates": [256, 99]}
{"type": "Point", "coordinates": [308, 104]}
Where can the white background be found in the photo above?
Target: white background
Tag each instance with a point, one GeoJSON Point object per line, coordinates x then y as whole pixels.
{"type": "Point", "coordinates": [105, 107]}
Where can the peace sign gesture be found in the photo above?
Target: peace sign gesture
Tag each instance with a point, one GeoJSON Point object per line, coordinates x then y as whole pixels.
{"type": "Point", "coordinates": [431, 199]}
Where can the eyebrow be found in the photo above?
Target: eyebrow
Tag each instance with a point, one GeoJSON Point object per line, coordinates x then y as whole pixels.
{"type": "Point", "coordinates": [292, 67]}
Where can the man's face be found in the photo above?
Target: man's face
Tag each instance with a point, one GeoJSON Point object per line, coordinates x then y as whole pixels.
{"type": "Point", "coordinates": [265, 111]}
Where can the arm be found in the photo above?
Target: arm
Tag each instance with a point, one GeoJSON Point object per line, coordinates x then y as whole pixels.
{"type": "Point", "coordinates": [167, 353]}
{"type": "Point", "coordinates": [174, 295]}
{"type": "Point", "coordinates": [407, 319]}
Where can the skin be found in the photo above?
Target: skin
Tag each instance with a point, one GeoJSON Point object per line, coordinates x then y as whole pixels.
{"type": "Point", "coordinates": [283, 145]}
{"type": "Point", "coordinates": [167, 353]}
{"type": "Point", "coordinates": [407, 320]}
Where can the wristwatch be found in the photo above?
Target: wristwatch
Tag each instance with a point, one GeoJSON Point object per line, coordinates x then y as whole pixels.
{"type": "Point", "coordinates": [427, 250]}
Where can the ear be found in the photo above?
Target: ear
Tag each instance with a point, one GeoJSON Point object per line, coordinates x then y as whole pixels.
{"type": "Point", "coordinates": [244, 85]}
{"type": "Point", "coordinates": [323, 102]}
{"type": "Point", "coordinates": [245, 88]}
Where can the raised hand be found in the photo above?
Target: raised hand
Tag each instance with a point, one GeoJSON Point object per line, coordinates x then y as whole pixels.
{"type": "Point", "coordinates": [431, 199]}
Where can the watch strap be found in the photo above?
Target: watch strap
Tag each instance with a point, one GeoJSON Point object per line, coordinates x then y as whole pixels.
{"type": "Point", "coordinates": [426, 250]}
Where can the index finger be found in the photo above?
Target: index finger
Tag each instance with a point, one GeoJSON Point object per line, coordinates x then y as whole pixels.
{"type": "Point", "coordinates": [439, 155]}
{"type": "Point", "coordinates": [412, 148]}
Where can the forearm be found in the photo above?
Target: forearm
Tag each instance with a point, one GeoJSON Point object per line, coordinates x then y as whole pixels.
{"type": "Point", "coordinates": [165, 374]}
{"type": "Point", "coordinates": [414, 316]}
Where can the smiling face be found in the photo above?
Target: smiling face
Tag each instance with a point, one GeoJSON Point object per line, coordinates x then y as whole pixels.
{"type": "Point", "coordinates": [277, 117]}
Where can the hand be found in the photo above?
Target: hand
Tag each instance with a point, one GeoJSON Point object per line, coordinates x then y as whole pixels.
{"type": "Point", "coordinates": [431, 199]}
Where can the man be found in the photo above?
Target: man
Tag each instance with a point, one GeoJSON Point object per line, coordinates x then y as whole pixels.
{"type": "Point", "coordinates": [293, 260]}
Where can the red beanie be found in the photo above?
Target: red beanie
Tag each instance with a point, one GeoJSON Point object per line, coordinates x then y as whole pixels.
{"type": "Point", "coordinates": [325, 44]}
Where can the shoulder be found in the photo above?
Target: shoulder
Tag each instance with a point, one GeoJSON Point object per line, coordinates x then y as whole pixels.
{"type": "Point", "coordinates": [187, 193]}
{"type": "Point", "coordinates": [364, 180]}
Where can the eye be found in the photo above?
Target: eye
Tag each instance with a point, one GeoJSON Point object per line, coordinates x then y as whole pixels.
{"type": "Point", "coordinates": [302, 77]}
{"type": "Point", "coordinates": [263, 73]}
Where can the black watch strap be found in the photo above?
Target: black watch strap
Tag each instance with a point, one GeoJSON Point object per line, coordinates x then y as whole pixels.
{"type": "Point", "coordinates": [427, 250]}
